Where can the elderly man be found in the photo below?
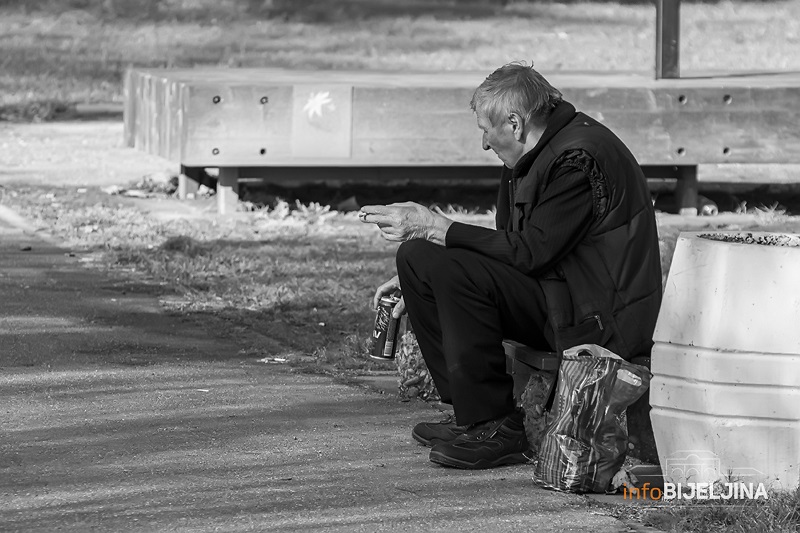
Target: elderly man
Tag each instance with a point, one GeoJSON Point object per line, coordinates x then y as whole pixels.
{"type": "Point", "coordinates": [574, 260]}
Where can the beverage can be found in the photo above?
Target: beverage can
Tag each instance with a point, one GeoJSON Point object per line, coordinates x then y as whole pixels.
{"type": "Point", "coordinates": [385, 332]}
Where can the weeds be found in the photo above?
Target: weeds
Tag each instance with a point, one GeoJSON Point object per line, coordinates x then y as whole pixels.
{"type": "Point", "coordinates": [779, 513]}
{"type": "Point", "coordinates": [770, 215]}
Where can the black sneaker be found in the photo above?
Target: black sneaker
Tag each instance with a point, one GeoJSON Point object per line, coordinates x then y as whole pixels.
{"type": "Point", "coordinates": [487, 445]}
{"type": "Point", "coordinates": [433, 433]}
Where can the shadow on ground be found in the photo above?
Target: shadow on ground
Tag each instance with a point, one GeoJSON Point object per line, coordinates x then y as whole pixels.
{"type": "Point", "coordinates": [57, 312]}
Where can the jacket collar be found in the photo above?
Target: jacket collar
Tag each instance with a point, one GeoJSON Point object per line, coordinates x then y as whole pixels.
{"type": "Point", "coordinates": [560, 117]}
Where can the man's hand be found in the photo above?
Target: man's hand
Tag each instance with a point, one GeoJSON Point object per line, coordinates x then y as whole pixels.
{"type": "Point", "coordinates": [387, 288]}
{"type": "Point", "coordinates": [406, 221]}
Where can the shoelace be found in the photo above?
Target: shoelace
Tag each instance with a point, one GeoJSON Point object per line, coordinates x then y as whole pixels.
{"type": "Point", "coordinates": [479, 431]}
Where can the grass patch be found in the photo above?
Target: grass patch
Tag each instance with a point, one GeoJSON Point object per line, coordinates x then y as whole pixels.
{"type": "Point", "coordinates": [779, 513]}
{"type": "Point", "coordinates": [283, 280]}
{"type": "Point", "coordinates": [278, 284]}
{"type": "Point", "coordinates": [58, 53]}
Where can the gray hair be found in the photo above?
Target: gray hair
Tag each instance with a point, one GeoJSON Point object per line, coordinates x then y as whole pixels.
{"type": "Point", "coordinates": [515, 88]}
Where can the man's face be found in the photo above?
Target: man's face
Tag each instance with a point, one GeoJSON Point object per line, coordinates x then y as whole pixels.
{"type": "Point", "coordinates": [501, 139]}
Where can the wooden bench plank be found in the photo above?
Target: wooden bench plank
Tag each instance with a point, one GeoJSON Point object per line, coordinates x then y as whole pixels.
{"type": "Point", "coordinates": [538, 359]}
{"type": "Point", "coordinates": [522, 362]}
{"type": "Point", "coordinates": [237, 118]}
{"type": "Point", "coordinates": [183, 115]}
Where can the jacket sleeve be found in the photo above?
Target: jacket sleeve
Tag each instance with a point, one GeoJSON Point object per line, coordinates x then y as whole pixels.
{"type": "Point", "coordinates": [552, 228]}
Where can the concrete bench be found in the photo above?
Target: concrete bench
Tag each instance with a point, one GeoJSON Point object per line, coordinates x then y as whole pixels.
{"type": "Point", "coordinates": [269, 124]}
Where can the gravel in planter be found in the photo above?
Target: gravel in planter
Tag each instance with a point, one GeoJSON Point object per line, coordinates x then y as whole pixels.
{"type": "Point", "coordinates": [766, 239]}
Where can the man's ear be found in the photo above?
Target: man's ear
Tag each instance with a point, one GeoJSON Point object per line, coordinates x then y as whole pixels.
{"type": "Point", "coordinates": [517, 126]}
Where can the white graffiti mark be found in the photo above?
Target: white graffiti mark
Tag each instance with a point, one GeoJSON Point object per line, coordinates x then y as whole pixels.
{"type": "Point", "coordinates": [316, 102]}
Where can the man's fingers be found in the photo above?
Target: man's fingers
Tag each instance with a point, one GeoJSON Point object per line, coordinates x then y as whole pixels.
{"type": "Point", "coordinates": [385, 220]}
{"type": "Point", "coordinates": [375, 210]}
{"type": "Point", "coordinates": [382, 220]}
{"type": "Point", "coordinates": [385, 288]}
{"type": "Point", "coordinates": [386, 213]}
{"type": "Point", "coordinates": [394, 234]}
{"type": "Point", "coordinates": [405, 205]}
{"type": "Point", "coordinates": [399, 308]}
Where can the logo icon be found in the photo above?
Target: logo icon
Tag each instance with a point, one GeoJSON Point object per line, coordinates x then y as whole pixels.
{"type": "Point", "coordinates": [693, 466]}
{"type": "Point", "coordinates": [317, 102]}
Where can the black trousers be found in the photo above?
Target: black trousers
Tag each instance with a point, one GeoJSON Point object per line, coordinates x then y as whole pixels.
{"type": "Point", "coordinates": [462, 305]}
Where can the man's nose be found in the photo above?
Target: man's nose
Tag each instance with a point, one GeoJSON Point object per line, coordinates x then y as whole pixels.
{"type": "Point", "coordinates": [484, 143]}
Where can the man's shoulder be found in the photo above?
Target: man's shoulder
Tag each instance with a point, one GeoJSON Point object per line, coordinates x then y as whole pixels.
{"type": "Point", "coordinates": [585, 132]}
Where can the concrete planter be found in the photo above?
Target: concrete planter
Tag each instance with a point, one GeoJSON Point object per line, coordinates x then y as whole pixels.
{"type": "Point", "coordinates": [725, 394]}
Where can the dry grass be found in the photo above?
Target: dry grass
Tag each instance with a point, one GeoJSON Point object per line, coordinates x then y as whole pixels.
{"type": "Point", "coordinates": [296, 279]}
{"type": "Point", "coordinates": [778, 514]}
{"type": "Point", "coordinates": [279, 282]}
{"type": "Point", "coordinates": [78, 55]}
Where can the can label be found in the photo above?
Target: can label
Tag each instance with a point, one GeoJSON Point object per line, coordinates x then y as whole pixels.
{"type": "Point", "coordinates": [384, 335]}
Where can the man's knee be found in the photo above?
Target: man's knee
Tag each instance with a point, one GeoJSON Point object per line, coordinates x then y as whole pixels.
{"type": "Point", "coordinates": [458, 267]}
{"type": "Point", "coordinates": [437, 265]}
{"type": "Point", "coordinates": [415, 252]}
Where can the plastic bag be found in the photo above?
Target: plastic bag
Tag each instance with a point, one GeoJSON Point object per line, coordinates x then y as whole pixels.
{"type": "Point", "coordinates": [584, 443]}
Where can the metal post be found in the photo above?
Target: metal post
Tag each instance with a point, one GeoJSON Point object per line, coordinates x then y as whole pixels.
{"type": "Point", "coordinates": [668, 39]}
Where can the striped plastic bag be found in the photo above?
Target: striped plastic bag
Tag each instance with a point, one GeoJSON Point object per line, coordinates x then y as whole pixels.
{"type": "Point", "coordinates": [585, 441]}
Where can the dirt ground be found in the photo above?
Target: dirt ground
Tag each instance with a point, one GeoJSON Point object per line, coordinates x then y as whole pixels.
{"type": "Point", "coordinates": [117, 416]}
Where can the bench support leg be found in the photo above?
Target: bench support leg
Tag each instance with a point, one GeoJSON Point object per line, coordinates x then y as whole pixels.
{"type": "Point", "coordinates": [227, 190]}
{"type": "Point", "coordinates": [686, 189]}
{"type": "Point", "coordinates": [188, 182]}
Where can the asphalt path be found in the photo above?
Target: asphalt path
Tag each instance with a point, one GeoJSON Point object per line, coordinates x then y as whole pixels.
{"type": "Point", "coordinates": [116, 416]}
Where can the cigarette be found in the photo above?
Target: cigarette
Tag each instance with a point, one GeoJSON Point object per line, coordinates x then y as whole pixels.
{"type": "Point", "coordinates": [362, 216]}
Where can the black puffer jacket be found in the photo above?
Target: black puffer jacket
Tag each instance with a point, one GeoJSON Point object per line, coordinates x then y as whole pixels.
{"type": "Point", "coordinates": [607, 288]}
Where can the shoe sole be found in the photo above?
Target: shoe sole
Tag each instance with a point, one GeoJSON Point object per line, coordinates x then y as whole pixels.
{"type": "Point", "coordinates": [510, 459]}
